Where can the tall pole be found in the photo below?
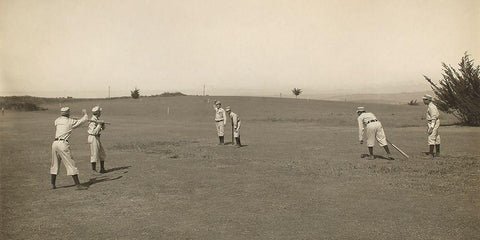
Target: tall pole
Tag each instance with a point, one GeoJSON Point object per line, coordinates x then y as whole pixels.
{"type": "Point", "coordinates": [203, 89]}
{"type": "Point", "coordinates": [109, 91]}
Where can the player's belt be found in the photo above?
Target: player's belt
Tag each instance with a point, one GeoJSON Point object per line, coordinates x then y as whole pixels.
{"type": "Point", "coordinates": [219, 120]}
{"type": "Point", "coordinates": [374, 120]}
{"type": "Point", "coordinates": [94, 135]}
{"type": "Point", "coordinates": [61, 139]}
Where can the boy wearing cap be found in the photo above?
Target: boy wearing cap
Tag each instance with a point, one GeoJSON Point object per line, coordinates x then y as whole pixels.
{"type": "Point", "coordinates": [220, 121]}
{"type": "Point", "coordinates": [236, 125]}
{"type": "Point", "coordinates": [433, 123]}
{"type": "Point", "coordinates": [97, 153]}
{"type": "Point", "coordinates": [61, 147]}
{"type": "Point", "coordinates": [374, 131]}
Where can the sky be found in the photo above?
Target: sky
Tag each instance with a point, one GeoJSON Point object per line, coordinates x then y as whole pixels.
{"type": "Point", "coordinates": [83, 48]}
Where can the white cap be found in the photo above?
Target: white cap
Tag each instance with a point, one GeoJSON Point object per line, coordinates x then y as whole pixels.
{"type": "Point", "coordinates": [65, 110]}
{"type": "Point", "coordinates": [427, 97]}
{"type": "Point", "coordinates": [360, 109]}
{"type": "Point", "coordinates": [96, 109]}
{"type": "Point", "coordinates": [217, 102]}
{"type": "Point", "coordinates": [228, 109]}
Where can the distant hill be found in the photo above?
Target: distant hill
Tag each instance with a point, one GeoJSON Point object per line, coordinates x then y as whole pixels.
{"type": "Point", "coordinates": [388, 98]}
{"type": "Point", "coordinates": [30, 103]}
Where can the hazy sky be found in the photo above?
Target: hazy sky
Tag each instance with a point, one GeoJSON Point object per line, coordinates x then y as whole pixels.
{"type": "Point", "coordinates": [239, 47]}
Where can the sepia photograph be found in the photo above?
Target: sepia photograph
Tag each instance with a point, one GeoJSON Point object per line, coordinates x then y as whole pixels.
{"type": "Point", "coordinates": [240, 119]}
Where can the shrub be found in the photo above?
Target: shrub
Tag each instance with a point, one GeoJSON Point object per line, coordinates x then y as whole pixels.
{"type": "Point", "coordinates": [459, 91]}
{"type": "Point", "coordinates": [296, 92]}
{"type": "Point", "coordinates": [135, 93]}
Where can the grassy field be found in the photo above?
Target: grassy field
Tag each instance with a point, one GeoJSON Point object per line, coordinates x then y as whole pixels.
{"type": "Point", "coordinates": [299, 177]}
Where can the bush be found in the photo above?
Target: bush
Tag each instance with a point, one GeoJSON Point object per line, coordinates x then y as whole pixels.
{"type": "Point", "coordinates": [459, 91]}
{"type": "Point", "coordinates": [296, 92]}
{"type": "Point", "coordinates": [135, 93]}
{"type": "Point", "coordinates": [169, 94]}
{"type": "Point", "coordinates": [22, 106]}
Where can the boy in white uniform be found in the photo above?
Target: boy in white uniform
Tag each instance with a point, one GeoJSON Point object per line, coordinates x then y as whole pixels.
{"type": "Point", "coordinates": [433, 123]}
{"type": "Point", "coordinates": [97, 153]}
{"type": "Point", "coordinates": [220, 121]}
{"type": "Point", "coordinates": [236, 125]}
{"type": "Point", "coordinates": [61, 147]}
{"type": "Point", "coordinates": [374, 131]}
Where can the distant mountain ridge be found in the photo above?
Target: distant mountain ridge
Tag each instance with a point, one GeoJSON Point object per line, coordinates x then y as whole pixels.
{"type": "Point", "coordinates": [388, 98]}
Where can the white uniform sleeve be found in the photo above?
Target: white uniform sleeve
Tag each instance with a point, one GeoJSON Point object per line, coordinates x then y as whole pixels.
{"type": "Point", "coordinates": [79, 122]}
{"type": "Point", "coordinates": [224, 118]}
{"type": "Point", "coordinates": [235, 121]}
{"type": "Point", "coordinates": [360, 128]}
{"type": "Point", "coordinates": [433, 112]}
{"type": "Point", "coordinates": [96, 130]}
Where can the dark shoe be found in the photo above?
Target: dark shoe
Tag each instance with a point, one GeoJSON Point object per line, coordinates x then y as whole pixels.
{"type": "Point", "coordinates": [237, 142]}
{"type": "Point", "coordinates": [371, 157]}
{"type": "Point", "coordinates": [390, 157]}
{"type": "Point", "coordinates": [53, 178]}
{"type": "Point", "coordinates": [103, 171]}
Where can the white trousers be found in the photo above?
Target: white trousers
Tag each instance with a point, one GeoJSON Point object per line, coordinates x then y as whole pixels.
{"type": "Point", "coordinates": [434, 138]}
{"type": "Point", "coordinates": [97, 153]}
{"type": "Point", "coordinates": [220, 128]}
{"type": "Point", "coordinates": [374, 131]}
{"type": "Point", "coordinates": [236, 132]}
{"type": "Point", "coordinates": [61, 152]}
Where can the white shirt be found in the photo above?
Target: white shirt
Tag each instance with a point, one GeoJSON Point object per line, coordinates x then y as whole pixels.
{"type": "Point", "coordinates": [220, 115]}
{"type": "Point", "coordinates": [65, 126]}
{"type": "Point", "coordinates": [432, 112]}
{"type": "Point", "coordinates": [94, 128]}
{"type": "Point", "coordinates": [363, 119]}
{"type": "Point", "coordinates": [235, 119]}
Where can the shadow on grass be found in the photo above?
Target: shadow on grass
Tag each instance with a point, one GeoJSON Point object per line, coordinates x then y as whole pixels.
{"type": "Point", "coordinates": [100, 179]}
{"type": "Point", "coordinates": [92, 181]}
{"type": "Point", "coordinates": [117, 168]}
{"type": "Point", "coordinates": [365, 155]}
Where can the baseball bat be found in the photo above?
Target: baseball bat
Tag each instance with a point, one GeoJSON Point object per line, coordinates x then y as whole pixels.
{"type": "Point", "coordinates": [232, 132]}
{"type": "Point", "coordinates": [398, 149]}
{"type": "Point", "coordinates": [99, 122]}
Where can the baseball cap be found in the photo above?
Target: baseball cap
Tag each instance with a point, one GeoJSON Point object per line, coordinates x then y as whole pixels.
{"type": "Point", "coordinates": [96, 109]}
{"type": "Point", "coordinates": [427, 97]}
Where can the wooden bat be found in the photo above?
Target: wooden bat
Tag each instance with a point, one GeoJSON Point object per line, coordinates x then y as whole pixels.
{"type": "Point", "coordinates": [398, 149]}
{"type": "Point", "coordinates": [232, 133]}
{"type": "Point", "coordinates": [100, 122]}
